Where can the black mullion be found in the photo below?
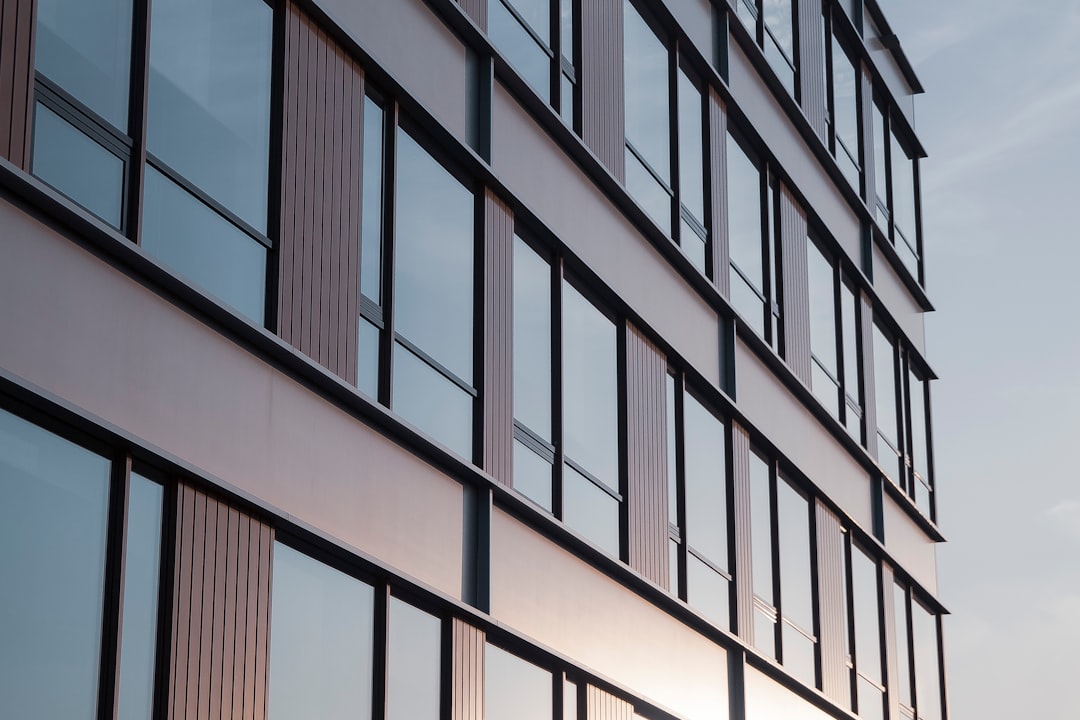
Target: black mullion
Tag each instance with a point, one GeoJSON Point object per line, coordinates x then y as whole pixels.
{"type": "Point", "coordinates": [913, 689]}
{"type": "Point", "coordinates": [675, 204]}
{"type": "Point", "coordinates": [796, 46]}
{"type": "Point", "coordinates": [113, 600]}
{"type": "Point", "coordinates": [380, 660]}
{"type": "Point", "coordinates": [709, 180]}
{"type": "Point", "coordinates": [389, 223]}
{"type": "Point", "coordinates": [778, 599]}
{"type": "Point", "coordinates": [480, 330]}
{"type": "Point", "coordinates": [557, 424]}
{"type": "Point", "coordinates": [815, 582]}
{"type": "Point", "coordinates": [838, 331]}
{"type": "Point", "coordinates": [929, 450]}
{"type": "Point", "coordinates": [137, 119]}
{"type": "Point", "coordinates": [622, 416]}
{"type": "Point", "coordinates": [763, 250]}
{"type": "Point", "coordinates": [555, 66]}
{"type": "Point", "coordinates": [575, 14]}
{"type": "Point", "coordinates": [166, 580]}
{"type": "Point", "coordinates": [849, 604]}
{"type": "Point", "coordinates": [276, 161]}
{"type": "Point", "coordinates": [446, 666]}
{"type": "Point", "coordinates": [680, 484]}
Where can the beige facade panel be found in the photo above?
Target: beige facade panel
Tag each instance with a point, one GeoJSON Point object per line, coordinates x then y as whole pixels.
{"type": "Point", "coordinates": [893, 294]}
{"type": "Point", "coordinates": [767, 699]}
{"type": "Point", "coordinates": [909, 546]}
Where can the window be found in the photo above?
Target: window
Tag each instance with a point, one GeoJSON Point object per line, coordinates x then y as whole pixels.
{"type": "Point", "coordinates": [752, 218]}
{"type": "Point", "coordinates": [515, 689]}
{"type": "Point", "coordinates": [55, 544]}
{"type": "Point", "coordinates": [780, 540]}
{"type": "Point", "coordinates": [204, 189]}
{"type": "Point", "coordinates": [843, 107]}
{"type": "Point", "coordinates": [772, 23]}
{"type": "Point", "coordinates": [698, 504]}
{"type": "Point", "coordinates": [865, 649]}
{"type": "Point", "coordinates": [538, 38]}
{"type": "Point", "coordinates": [918, 656]}
{"type": "Point", "coordinates": [693, 233]}
{"type": "Point", "coordinates": [834, 340]}
{"type": "Point", "coordinates": [424, 325]}
{"type": "Point", "coordinates": [886, 382]}
{"type": "Point", "coordinates": [578, 478]}
{"type": "Point", "coordinates": [896, 188]}
{"type": "Point", "coordinates": [414, 663]}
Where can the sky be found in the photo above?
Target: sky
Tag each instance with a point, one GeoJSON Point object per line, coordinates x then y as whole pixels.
{"type": "Point", "coordinates": [1001, 123]}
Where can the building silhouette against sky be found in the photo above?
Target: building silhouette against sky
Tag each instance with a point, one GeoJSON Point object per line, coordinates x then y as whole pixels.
{"type": "Point", "coordinates": [505, 360]}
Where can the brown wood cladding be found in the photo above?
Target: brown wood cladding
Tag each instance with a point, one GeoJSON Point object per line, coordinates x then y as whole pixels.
{"type": "Point", "coordinates": [602, 705]}
{"type": "Point", "coordinates": [318, 254]}
{"type": "Point", "coordinates": [221, 611]}
{"type": "Point", "coordinates": [498, 339]}
{"type": "Point", "coordinates": [602, 109]}
{"type": "Point", "coordinates": [812, 65]}
{"type": "Point", "coordinates": [796, 290]}
{"type": "Point", "coordinates": [718, 184]}
{"type": "Point", "coordinates": [477, 10]}
{"type": "Point", "coordinates": [467, 674]}
{"type": "Point", "coordinates": [866, 327]}
{"type": "Point", "coordinates": [835, 675]}
{"type": "Point", "coordinates": [16, 80]}
{"type": "Point", "coordinates": [646, 418]}
{"type": "Point", "coordinates": [744, 580]}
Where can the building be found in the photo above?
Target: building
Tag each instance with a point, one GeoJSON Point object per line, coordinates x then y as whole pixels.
{"type": "Point", "coordinates": [510, 359]}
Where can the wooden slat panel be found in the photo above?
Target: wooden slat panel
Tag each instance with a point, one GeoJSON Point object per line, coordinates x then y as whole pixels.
{"type": "Point", "coordinates": [319, 253]}
{"type": "Point", "coordinates": [16, 79]}
{"type": "Point", "coordinates": [646, 411]}
{"type": "Point", "coordinates": [866, 326]}
{"type": "Point", "coordinates": [744, 587]}
{"type": "Point", "coordinates": [796, 292]}
{"type": "Point", "coordinates": [498, 339]}
{"type": "Point", "coordinates": [831, 603]}
{"type": "Point", "coordinates": [602, 110]}
{"type": "Point", "coordinates": [718, 191]}
{"type": "Point", "coordinates": [467, 673]}
{"type": "Point", "coordinates": [602, 705]}
{"type": "Point", "coordinates": [222, 612]}
{"type": "Point", "coordinates": [812, 65]}
{"type": "Point", "coordinates": [477, 10]}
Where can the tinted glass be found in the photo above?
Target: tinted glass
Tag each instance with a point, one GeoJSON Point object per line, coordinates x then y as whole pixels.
{"type": "Point", "coordinates": [434, 259]}
{"type": "Point", "coordinates": [848, 303]}
{"type": "Point", "coordinates": [793, 528]}
{"type": "Point", "coordinates": [569, 700]}
{"type": "Point", "coordinates": [744, 214]}
{"type": "Point", "coordinates": [748, 302]}
{"type": "Point", "coordinates": [707, 591]}
{"type": "Point", "coordinates": [871, 705]}
{"type": "Point", "coordinates": [691, 152]}
{"type": "Point", "coordinates": [761, 529]}
{"type": "Point", "coordinates": [197, 242]}
{"type": "Point", "coordinates": [885, 387]}
{"type": "Point", "coordinates": [532, 476]}
{"type": "Point", "coordinates": [53, 506]}
{"type": "Point", "coordinates": [672, 469]}
{"type": "Point", "coordinates": [367, 371]}
{"type": "Point", "coordinates": [209, 105]}
{"type": "Point", "coordinates": [917, 390]}
{"type": "Point", "coordinates": [798, 654]}
{"type": "Point", "coordinates": [371, 213]}
{"type": "Point", "coordinates": [590, 387]}
{"type": "Point", "coordinates": [141, 573]}
{"type": "Point", "coordinates": [653, 197]}
{"type": "Point", "coordinates": [567, 109]}
{"type": "Point", "coordinates": [903, 659]}
{"type": "Point", "coordinates": [645, 61]}
{"type": "Point", "coordinates": [566, 27]}
{"type": "Point", "coordinates": [903, 173]}
{"type": "Point", "coordinates": [320, 641]}
{"type": "Point", "coordinates": [706, 482]}
{"type": "Point", "coordinates": [515, 689]}
{"type": "Point", "coordinates": [822, 310]}
{"type": "Point", "coordinates": [864, 599]}
{"type": "Point", "coordinates": [519, 47]}
{"type": "Point", "coordinates": [881, 172]}
{"type": "Point", "coordinates": [590, 511]}
{"type": "Point", "coordinates": [77, 166]}
{"type": "Point", "coordinates": [845, 101]}
{"type": "Point", "coordinates": [85, 48]}
{"type": "Point", "coordinates": [532, 340]}
{"type": "Point", "coordinates": [431, 402]}
{"type": "Point", "coordinates": [414, 663]}
{"type": "Point", "coordinates": [694, 246]}
{"type": "Point", "coordinates": [778, 16]}
{"type": "Point", "coordinates": [927, 678]}
{"type": "Point", "coordinates": [764, 633]}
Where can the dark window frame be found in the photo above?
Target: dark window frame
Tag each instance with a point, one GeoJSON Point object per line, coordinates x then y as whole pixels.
{"type": "Point", "coordinates": [763, 34]}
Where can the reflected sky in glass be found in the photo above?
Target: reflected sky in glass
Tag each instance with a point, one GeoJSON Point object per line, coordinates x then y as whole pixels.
{"type": "Point", "coordinates": [532, 340]}
{"type": "Point", "coordinates": [822, 309]}
{"type": "Point", "coordinates": [691, 152]}
{"type": "Point", "coordinates": [744, 213]}
{"type": "Point", "coordinates": [590, 511]}
{"type": "Point", "coordinates": [414, 663]}
{"type": "Point", "coordinates": [645, 63]}
{"type": "Point", "coordinates": [761, 529]}
{"type": "Point", "coordinates": [371, 214]}
{"type": "Point", "coordinates": [532, 476]}
{"type": "Point", "coordinates": [515, 689]}
{"type": "Point", "coordinates": [425, 398]}
{"type": "Point", "coordinates": [519, 47]}
{"type": "Point", "coordinates": [706, 481]}
{"type": "Point", "coordinates": [865, 603]}
{"type": "Point", "coordinates": [793, 528]}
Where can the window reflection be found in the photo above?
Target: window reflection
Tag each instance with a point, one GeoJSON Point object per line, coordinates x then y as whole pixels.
{"type": "Point", "coordinates": [414, 661]}
{"type": "Point", "coordinates": [515, 689]}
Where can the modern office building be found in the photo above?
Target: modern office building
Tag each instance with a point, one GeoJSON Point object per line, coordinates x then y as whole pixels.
{"type": "Point", "coordinates": [492, 360]}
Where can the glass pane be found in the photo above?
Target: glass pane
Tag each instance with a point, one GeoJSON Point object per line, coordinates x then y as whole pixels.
{"type": "Point", "coordinates": [864, 598]}
{"type": "Point", "coordinates": [532, 340]}
{"type": "Point", "coordinates": [431, 402]}
{"type": "Point", "coordinates": [706, 482]}
{"type": "Point", "coordinates": [825, 389]}
{"type": "Point", "coordinates": [917, 391]}
{"type": "Point", "coordinates": [707, 591]}
{"type": "Point", "coordinates": [885, 391]}
{"type": "Point", "coordinates": [903, 659]}
{"type": "Point", "coordinates": [778, 19]}
{"type": "Point", "coordinates": [903, 174]}
{"type": "Point", "coordinates": [845, 101]}
{"type": "Point", "coordinates": [321, 628]}
{"type": "Point", "coordinates": [694, 247]}
{"type": "Point", "coordinates": [195, 241]}
{"type": "Point", "coordinates": [85, 48]}
{"type": "Point", "coordinates": [515, 689]}
{"type": "Point", "coordinates": [367, 371]}
{"type": "Point", "coordinates": [799, 655]}
{"type": "Point", "coordinates": [570, 697]}
{"type": "Point", "coordinates": [673, 567]}
{"type": "Point", "coordinates": [645, 63]}
{"type": "Point", "coordinates": [209, 105]}
{"type": "Point", "coordinates": [744, 214]}
{"type": "Point", "coordinates": [77, 166]}
{"type": "Point", "coordinates": [793, 532]}
{"type": "Point", "coordinates": [532, 476]}
{"type": "Point", "coordinates": [590, 387]}
{"type": "Point", "coordinates": [590, 511]}
{"type": "Point", "coordinates": [764, 633]}
{"type": "Point", "coordinates": [567, 99]}
{"type": "Point", "coordinates": [566, 26]}
{"type": "Point", "coordinates": [414, 663]}
{"type": "Point", "coordinates": [371, 214]}
{"type": "Point", "coordinates": [520, 48]}
{"type": "Point", "coordinates": [822, 310]}
{"type": "Point", "coordinates": [537, 13]}
{"type": "Point", "coordinates": [927, 678]}
{"type": "Point", "coordinates": [850, 338]}
{"type": "Point", "coordinates": [691, 152]}
{"type": "Point", "coordinates": [761, 529]}
{"type": "Point", "coordinates": [53, 512]}
{"type": "Point", "coordinates": [748, 303]}
{"type": "Point", "coordinates": [780, 60]}
{"type": "Point", "coordinates": [141, 574]}
{"type": "Point", "coordinates": [649, 194]}
{"type": "Point", "coordinates": [672, 467]}
{"type": "Point", "coordinates": [871, 705]}
{"type": "Point", "coordinates": [881, 172]}
{"type": "Point", "coordinates": [434, 259]}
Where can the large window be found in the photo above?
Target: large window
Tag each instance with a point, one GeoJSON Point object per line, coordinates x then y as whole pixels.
{"type": "Point", "coordinates": [575, 476]}
{"type": "Point", "coordinates": [918, 644]}
{"type": "Point", "coordinates": [772, 23]}
{"type": "Point", "coordinates": [834, 340]}
{"type": "Point", "coordinates": [843, 104]}
{"type": "Point", "coordinates": [415, 349]}
{"type": "Point", "coordinates": [56, 549]}
{"type": "Point", "coordinates": [203, 193]}
{"type": "Point", "coordinates": [781, 549]}
{"type": "Point", "coordinates": [698, 517]}
{"type": "Point", "coordinates": [896, 190]}
{"type": "Point", "coordinates": [515, 689]}
{"type": "Point", "coordinates": [865, 658]}
{"type": "Point", "coordinates": [538, 38]}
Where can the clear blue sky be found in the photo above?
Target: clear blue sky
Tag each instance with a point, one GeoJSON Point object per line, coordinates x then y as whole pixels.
{"type": "Point", "coordinates": [1001, 199]}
